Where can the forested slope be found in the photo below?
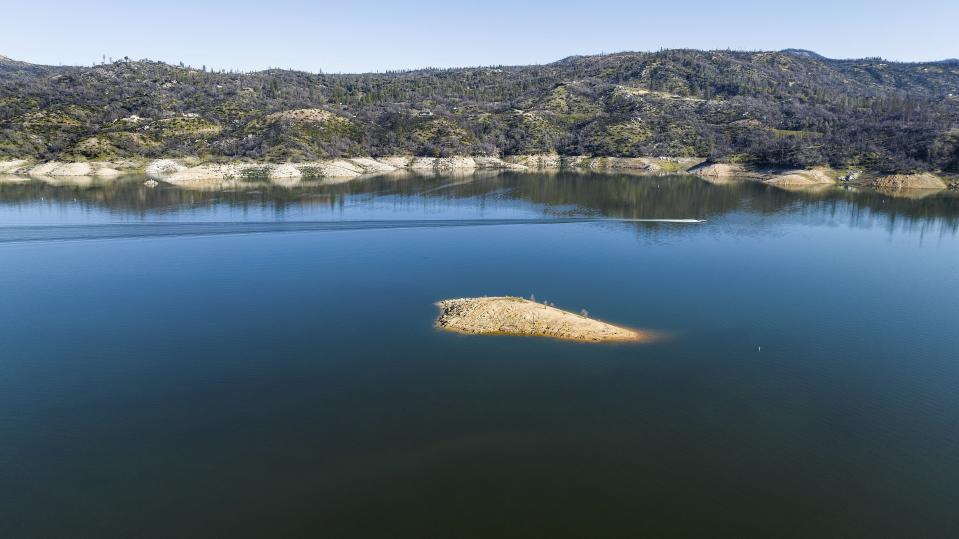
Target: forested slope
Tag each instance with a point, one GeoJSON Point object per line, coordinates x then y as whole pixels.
{"type": "Point", "coordinates": [789, 108]}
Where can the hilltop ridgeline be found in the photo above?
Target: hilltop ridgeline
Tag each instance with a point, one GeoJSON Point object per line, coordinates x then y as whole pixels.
{"type": "Point", "coordinates": [781, 109]}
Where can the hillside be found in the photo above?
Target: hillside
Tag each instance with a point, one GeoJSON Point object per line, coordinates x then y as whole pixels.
{"type": "Point", "coordinates": [789, 108]}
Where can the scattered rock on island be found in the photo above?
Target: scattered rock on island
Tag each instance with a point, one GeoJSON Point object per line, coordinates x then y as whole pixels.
{"type": "Point", "coordinates": [507, 315]}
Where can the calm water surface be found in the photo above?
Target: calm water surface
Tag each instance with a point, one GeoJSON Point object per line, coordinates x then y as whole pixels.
{"type": "Point", "coordinates": [262, 362]}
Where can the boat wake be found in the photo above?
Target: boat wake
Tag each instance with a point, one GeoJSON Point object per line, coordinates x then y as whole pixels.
{"type": "Point", "coordinates": [35, 233]}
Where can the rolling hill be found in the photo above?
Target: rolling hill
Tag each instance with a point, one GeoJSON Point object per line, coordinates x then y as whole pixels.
{"type": "Point", "coordinates": [787, 108]}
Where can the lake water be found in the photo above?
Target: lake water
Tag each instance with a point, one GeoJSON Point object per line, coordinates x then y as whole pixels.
{"type": "Point", "coordinates": [262, 361]}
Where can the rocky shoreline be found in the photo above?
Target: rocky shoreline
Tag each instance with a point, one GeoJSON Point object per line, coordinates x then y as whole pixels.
{"type": "Point", "coordinates": [190, 171]}
{"type": "Point", "coordinates": [791, 179]}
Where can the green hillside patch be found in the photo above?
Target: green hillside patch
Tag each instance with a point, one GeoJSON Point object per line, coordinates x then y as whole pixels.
{"type": "Point", "coordinates": [440, 137]}
{"type": "Point", "coordinates": [536, 132]}
{"type": "Point", "coordinates": [305, 134]}
{"type": "Point", "coordinates": [315, 124]}
{"type": "Point", "coordinates": [112, 145]}
{"type": "Point", "coordinates": [17, 101]}
{"type": "Point", "coordinates": [306, 116]}
{"type": "Point", "coordinates": [680, 140]}
{"type": "Point", "coordinates": [97, 147]}
{"type": "Point", "coordinates": [12, 105]}
{"type": "Point", "coordinates": [628, 134]}
{"type": "Point", "coordinates": [631, 92]}
{"type": "Point", "coordinates": [20, 144]}
{"type": "Point", "coordinates": [70, 118]}
{"type": "Point", "coordinates": [186, 126]}
{"type": "Point", "coordinates": [564, 102]}
{"type": "Point", "coordinates": [616, 139]}
{"type": "Point", "coordinates": [782, 133]}
{"type": "Point", "coordinates": [235, 110]}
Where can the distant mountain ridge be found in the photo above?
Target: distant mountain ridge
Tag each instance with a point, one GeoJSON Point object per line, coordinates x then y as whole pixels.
{"type": "Point", "coordinates": [790, 108]}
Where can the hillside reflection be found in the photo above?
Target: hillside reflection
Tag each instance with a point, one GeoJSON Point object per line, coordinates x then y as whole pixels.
{"type": "Point", "coordinates": [560, 194]}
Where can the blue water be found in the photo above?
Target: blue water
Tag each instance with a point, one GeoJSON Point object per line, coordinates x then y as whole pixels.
{"type": "Point", "coordinates": [263, 362]}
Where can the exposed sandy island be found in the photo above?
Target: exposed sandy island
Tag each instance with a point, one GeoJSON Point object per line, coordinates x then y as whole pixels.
{"type": "Point", "coordinates": [910, 181]}
{"type": "Point", "coordinates": [506, 315]}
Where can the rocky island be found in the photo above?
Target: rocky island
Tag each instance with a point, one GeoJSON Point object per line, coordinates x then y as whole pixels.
{"type": "Point", "coordinates": [507, 315]}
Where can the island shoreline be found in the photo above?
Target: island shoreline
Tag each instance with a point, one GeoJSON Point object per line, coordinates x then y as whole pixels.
{"type": "Point", "coordinates": [519, 317]}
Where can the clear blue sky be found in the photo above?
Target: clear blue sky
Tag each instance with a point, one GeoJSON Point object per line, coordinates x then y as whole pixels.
{"type": "Point", "coordinates": [375, 35]}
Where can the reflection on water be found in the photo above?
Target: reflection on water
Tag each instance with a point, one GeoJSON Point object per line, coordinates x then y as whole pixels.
{"type": "Point", "coordinates": [487, 194]}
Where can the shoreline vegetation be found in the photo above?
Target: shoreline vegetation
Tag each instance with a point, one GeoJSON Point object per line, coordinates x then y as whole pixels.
{"type": "Point", "coordinates": [508, 315]}
{"type": "Point", "coordinates": [757, 113]}
{"type": "Point", "coordinates": [192, 172]}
